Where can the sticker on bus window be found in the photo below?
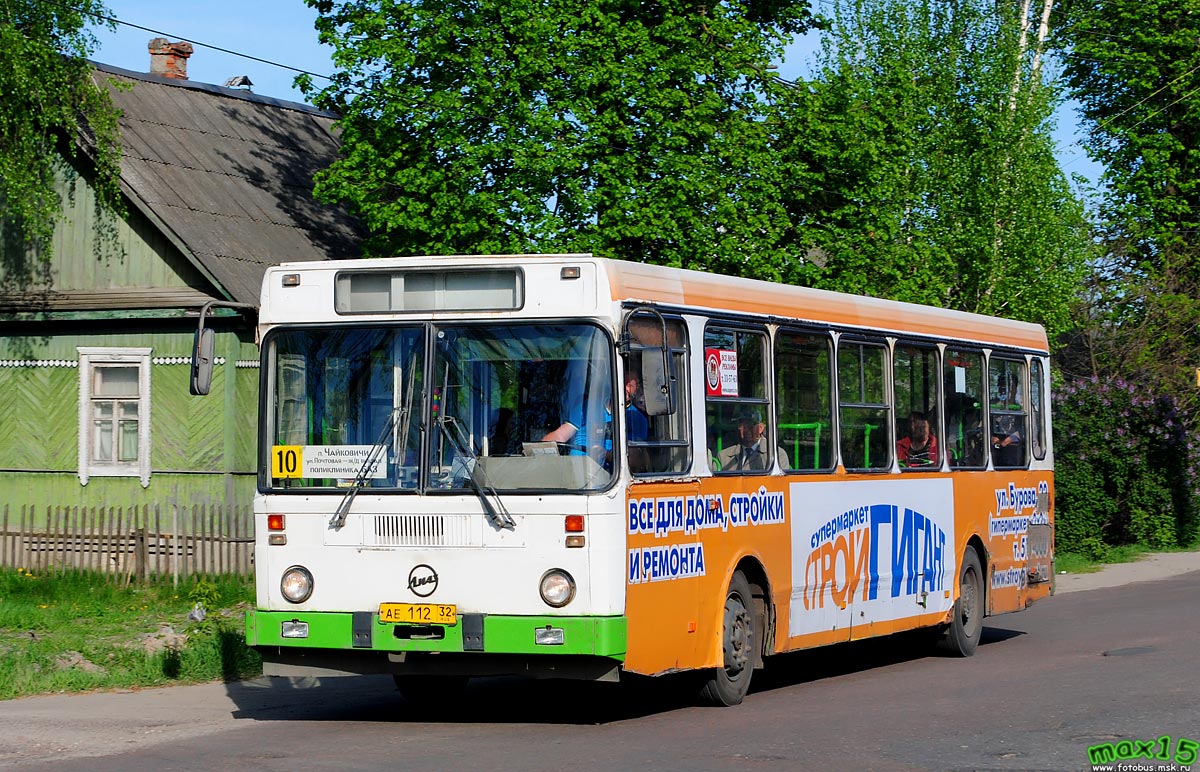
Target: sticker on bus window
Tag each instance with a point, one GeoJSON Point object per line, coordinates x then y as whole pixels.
{"type": "Point", "coordinates": [323, 461]}
{"type": "Point", "coordinates": [720, 372]}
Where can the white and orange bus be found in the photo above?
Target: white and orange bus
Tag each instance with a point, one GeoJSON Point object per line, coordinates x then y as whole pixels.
{"type": "Point", "coordinates": [568, 466]}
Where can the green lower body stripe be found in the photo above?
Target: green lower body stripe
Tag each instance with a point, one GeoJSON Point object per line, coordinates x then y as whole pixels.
{"type": "Point", "coordinates": [598, 636]}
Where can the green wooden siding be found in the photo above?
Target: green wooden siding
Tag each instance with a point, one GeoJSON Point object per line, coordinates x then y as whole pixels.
{"type": "Point", "coordinates": [146, 258]}
{"type": "Point", "coordinates": [245, 434]}
{"type": "Point", "coordinates": [39, 418]}
{"type": "Point", "coordinates": [187, 431]}
{"type": "Point", "coordinates": [203, 449]}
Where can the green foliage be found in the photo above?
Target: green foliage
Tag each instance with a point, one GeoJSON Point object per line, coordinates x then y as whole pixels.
{"type": "Point", "coordinates": [48, 103]}
{"type": "Point", "coordinates": [1126, 471]}
{"type": "Point", "coordinates": [205, 595]}
{"type": "Point", "coordinates": [634, 130]}
{"type": "Point", "coordinates": [930, 168]}
{"type": "Point", "coordinates": [918, 165]}
{"type": "Point", "coordinates": [1134, 67]}
{"type": "Point", "coordinates": [77, 631]}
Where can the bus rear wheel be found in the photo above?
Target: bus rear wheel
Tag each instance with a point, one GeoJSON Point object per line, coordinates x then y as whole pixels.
{"type": "Point", "coordinates": [961, 637]}
{"type": "Point", "coordinates": [728, 685]}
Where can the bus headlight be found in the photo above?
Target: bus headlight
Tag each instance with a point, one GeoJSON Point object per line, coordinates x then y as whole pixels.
{"type": "Point", "coordinates": [557, 587]}
{"type": "Point", "coordinates": [297, 584]}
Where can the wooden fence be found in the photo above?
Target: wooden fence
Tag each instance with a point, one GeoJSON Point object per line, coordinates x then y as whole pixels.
{"type": "Point", "coordinates": [130, 544]}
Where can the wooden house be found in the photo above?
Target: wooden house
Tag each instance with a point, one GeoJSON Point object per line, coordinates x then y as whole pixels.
{"type": "Point", "coordinates": [94, 367]}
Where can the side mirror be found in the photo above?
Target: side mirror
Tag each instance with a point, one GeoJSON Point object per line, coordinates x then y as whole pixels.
{"type": "Point", "coordinates": [202, 361]}
{"type": "Point", "coordinates": [658, 385]}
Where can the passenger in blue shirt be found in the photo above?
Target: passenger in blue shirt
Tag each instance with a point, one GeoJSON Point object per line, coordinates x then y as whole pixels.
{"type": "Point", "coordinates": [586, 410]}
{"type": "Point", "coordinates": [637, 422]}
{"type": "Point", "coordinates": [594, 437]}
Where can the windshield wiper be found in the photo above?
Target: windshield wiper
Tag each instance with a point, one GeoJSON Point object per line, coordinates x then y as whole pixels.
{"type": "Point", "coordinates": [497, 513]}
{"type": "Point", "coordinates": [360, 479]}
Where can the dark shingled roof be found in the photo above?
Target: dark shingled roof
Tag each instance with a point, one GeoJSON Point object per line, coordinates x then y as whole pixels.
{"type": "Point", "coordinates": [228, 176]}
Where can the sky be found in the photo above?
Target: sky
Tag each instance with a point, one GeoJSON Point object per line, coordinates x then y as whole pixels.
{"type": "Point", "coordinates": [277, 31]}
{"type": "Point", "coordinates": [281, 33]}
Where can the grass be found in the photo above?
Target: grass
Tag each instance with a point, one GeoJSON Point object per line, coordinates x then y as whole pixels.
{"type": "Point", "coordinates": [1075, 563]}
{"type": "Point", "coordinates": [72, 632]}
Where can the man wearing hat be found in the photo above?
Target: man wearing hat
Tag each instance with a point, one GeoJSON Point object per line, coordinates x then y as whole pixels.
{"type": "Point", "coordinates": [751, 451]}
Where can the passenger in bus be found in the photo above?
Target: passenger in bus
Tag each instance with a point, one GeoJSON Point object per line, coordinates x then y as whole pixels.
{"type": "Point", "coordinates": [637, 422]}
{"type": "Point", "coordinates": [920, 447]}
{"type": "Point", "coordinates": [575, 430]}
{"type": "Point", "coordinates": [1006, 441]}
{"type": "Point", "coordinates": [750, 452]}
{"type": "Point", "coordinates": [973, 443]}
{"type": "Point", "coordinates": [586, 426]}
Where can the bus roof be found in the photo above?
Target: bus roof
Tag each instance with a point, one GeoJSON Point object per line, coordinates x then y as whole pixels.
{"type": "Point", "coordinates": [682, 288]}
{"type": "Point", "coordinates": [677, 286]}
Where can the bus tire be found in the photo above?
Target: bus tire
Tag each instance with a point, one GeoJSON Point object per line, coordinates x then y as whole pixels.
{"type": "Point", "coordinates": [961, 636]}
{"type": "Point", "coordinates": [430, 689]}
{"type": "Point", "coordinates": [729, 684]}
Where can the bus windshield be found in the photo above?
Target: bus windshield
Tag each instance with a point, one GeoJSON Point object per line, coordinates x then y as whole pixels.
{"type": "Point", "coordinates": [506, 407]}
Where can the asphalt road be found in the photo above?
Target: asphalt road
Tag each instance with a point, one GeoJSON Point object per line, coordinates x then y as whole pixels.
{"type": "Point", "coordinates": [1112, 656]}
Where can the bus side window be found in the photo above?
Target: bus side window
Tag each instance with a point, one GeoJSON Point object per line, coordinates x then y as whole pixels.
{"type": "Point", "coordinates": [737, 408]}
{"type": "Point", "coordinates": [915, 382]}
{"type": "Point", "coordinates": [863, 409]}
{"type": "Point", "coordinates": [804, 399]}
{"type": "Point", "coordinates": [1037, 435]}
{"type": "Point", "coordinates": [660, 444]}
{"type": "Point", "coordinates": [1009, 419]}
{"type": "Point", "coordinates": [962, 384]}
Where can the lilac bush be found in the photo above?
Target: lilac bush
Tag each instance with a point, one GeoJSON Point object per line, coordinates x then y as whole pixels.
{"type": "Point", "coordinates": [1127, 469]}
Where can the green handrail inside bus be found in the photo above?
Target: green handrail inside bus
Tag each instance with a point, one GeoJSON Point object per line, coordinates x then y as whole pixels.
{"type": "Point", "coordinates": [867, 429]}
{"type": "Point", "coordinates": [815, 427]}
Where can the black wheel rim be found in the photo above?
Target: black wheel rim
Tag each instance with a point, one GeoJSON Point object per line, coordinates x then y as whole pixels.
{"type": "Point", "coordinates": [738, 635]}
{"type": "Point", "coordinates": [968, 600]}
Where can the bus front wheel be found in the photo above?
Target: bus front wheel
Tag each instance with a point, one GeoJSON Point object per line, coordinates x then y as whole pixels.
{"type": "Point", "coordinates": [728, 685]}
{"type": "Point", "coordinates": [962, 635]}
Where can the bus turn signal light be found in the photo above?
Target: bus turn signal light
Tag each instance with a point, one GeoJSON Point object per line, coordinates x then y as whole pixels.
{"type": "Point", "coordinates": [274, 522]}
{"type": "Point", "coordinates": [574, 523]}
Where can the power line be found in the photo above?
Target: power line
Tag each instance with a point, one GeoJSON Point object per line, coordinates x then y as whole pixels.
{"type": "Point", "coordinates": [114, 20]}
{"type": "Point", "coordinates": [1104, 124]}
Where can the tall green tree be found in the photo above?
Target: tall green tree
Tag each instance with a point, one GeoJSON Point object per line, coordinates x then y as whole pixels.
{"type": "Point", "coordinates": [631, 129]}
{"type": "Point", "coordinates": [928, 163]}
{"type": "Point", "coordinates": [1135, 69]}
{"type": "Point", "coordinates": [49, 103]}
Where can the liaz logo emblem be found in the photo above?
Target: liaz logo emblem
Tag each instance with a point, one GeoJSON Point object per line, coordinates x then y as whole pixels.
{"type": "Point", "coordinates": [422, 580]}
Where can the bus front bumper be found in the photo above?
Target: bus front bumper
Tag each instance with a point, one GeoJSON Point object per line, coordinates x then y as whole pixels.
{"type": "Point", "coordinates": [346, 643]}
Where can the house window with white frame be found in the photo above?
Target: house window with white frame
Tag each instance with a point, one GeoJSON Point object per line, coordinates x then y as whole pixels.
{"type": "Point", "coordinates": [114, 413]}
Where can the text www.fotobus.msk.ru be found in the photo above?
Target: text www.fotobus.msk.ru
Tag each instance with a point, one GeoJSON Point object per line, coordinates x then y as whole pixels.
{"type": "Point", "coordinates": [1157, 755]}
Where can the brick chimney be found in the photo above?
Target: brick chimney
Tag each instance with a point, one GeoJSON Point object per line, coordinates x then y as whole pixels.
{"type": "Point", "coordinates": [169, 59]}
